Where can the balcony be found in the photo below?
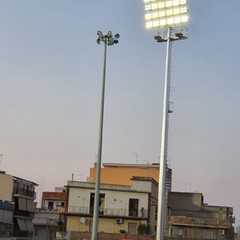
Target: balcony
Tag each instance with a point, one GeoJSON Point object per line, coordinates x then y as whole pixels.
{"type": "Point", "coordinates": [110, 212]}
{"type": "Point", "coordinates": [24, 192]}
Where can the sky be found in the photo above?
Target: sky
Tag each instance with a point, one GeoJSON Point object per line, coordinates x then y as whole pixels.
{"type": "Point", "coordinates": [50, 86]}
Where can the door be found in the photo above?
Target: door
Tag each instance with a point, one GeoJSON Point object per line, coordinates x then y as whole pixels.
{"type": "Point", "coordinates": [132, 228]}
{"type": "Point", "coordinates": [133, 207]}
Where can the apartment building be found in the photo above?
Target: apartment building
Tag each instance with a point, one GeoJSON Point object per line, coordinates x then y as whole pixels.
{"type": "Point", "coordinates": [54, 201]}
{"type": "Point", "coordinates": [48, 220]}
{"type": "Point", "coordinates": [6, 218]}
{"type": "Point", "coordinates": [192, 218]}
{"type": "Point", "coordinates": [122, 208]}
{"type": "Point", "coordinates": [20, 193]}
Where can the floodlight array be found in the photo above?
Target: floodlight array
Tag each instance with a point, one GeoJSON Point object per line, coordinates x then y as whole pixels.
{"type": "Point", "coordinates": [108, 38]}
{"type": "Point", "coordinates": [162, 13]}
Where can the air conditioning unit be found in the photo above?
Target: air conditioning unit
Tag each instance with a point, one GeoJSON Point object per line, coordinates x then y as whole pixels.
{"type": "Point", "coordinates": [221, 232]}
{"type": "Point", "coordinates": [119, 221]}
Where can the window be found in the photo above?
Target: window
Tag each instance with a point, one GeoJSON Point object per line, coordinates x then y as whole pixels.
{"type": "Point", "coordinates": [101, 203]}
{"type": "Point", "coordinates": [50, 206]}
{"type": "Point", "coordinates": [180, 232]}
{"type": "Point", "coordinates": [133, 207]}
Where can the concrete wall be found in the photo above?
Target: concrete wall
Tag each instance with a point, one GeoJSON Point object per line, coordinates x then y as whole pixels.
{"type": "Point", "coordinates": [113, 175]}
{"type": "Point", "coordinates": [107, 225]}
{"type": "Point", "coordinates": [6, 187]}
{"type": "Point", "coordinates": [105, 236]}
{"type": "Point", "coordinates": [185, 201]}
{"type": "Point", "coordinates": [79, 199]}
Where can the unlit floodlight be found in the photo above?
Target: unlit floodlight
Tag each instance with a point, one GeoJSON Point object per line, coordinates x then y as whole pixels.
{"type": "Point", "coordinates": [108, 38]}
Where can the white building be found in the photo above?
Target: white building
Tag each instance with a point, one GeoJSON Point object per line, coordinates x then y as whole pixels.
{"type": "Point", "coordinates": [122, 208]}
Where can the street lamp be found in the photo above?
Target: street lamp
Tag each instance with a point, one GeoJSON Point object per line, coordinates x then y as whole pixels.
{"type": "Point", "coordinates": [108, 40]}
{"type": "Point", "coordinates": [169, 15]}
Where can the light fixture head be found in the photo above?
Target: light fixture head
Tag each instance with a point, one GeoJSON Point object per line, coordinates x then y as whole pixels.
{"type": "Point", "coordinates": [157, 37]}
{"type": "Point", "coordinates": [110, 43]}
{"type": "Point", "coordinates": [108, 38]}
{"type": "Point", "coordinates": [99, 33]}
{"type": "Point", "coordinates": [117, 35]}
{"type": "Point", "coordinates": [109, 34]}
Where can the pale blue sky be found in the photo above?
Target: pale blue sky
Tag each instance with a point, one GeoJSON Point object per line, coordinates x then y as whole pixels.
{"type": "Point", "coordinates": [50, 83]}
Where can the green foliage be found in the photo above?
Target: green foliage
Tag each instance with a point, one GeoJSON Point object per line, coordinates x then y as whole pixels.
{"type": "Point", "coordinates": [143, 229]}
{"type": "Point", "coordinates": [122, 231]}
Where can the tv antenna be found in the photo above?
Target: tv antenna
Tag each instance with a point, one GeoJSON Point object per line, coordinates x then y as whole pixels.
{"type": "Point", "coordinates": [135, 154]}
{"type": "Point", "coordinates": [1, 157]}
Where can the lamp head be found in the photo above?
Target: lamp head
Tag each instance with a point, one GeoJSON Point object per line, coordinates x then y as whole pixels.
{"type": "Point", "coordinates": [117, 35]}
{"type": "Point", "coordinates": [109, 34]}
{"type": "Point", "coordinates": [99, 33]}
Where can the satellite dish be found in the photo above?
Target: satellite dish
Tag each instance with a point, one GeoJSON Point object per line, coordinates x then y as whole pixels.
{"type": "Point", "coordinates": [82, 220]}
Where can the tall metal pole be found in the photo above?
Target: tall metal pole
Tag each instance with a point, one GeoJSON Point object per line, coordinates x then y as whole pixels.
{"type": "Point", "coordinates": [164, 142]}
{"type": "Point", "coordinates": [108, 40]}
{"type": "Point", "coordinates": [99, 154]}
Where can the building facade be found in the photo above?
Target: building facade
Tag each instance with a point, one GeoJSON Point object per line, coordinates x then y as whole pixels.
{"type": "Point", "coordinates": [46, 224]}
{"type": "Point", "coordinates": [192, 218]}
{"type": "Point", "coordinates": [54, 201]}
{"type": "Point", "coordinates": [122, 208]}
{"type": "Point", "coordinates": [49, 219]}
{"type": "Point", "coordinates": [6, 218]}
{"type": "Point", "coordinates": [111, 171]}
{"type": "Point", "coordinates": [21, 194]}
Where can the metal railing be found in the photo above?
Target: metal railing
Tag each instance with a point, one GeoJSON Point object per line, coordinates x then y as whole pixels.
{"type": "Point", "coordinates": [24, 192]}
{"type": "Point", "coordinates": [109, 211]}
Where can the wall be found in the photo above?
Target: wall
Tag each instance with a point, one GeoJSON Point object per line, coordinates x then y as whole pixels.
{"type": "Point", "coordinates": [6, 187]}
{"type": "Point", "coordinates": [111, 175]}
{"type": "Point", "coordinates": [107, 225]}
{"type": "Point", "coordinates": [79, 200]}
{"type": "Point", "coordinates": [105, 236]}
{"type": "Point", "coordinates": [185, 201]}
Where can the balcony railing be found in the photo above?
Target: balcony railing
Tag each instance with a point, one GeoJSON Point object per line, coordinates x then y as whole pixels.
{"type": "Point", "coordinates": [109, 212]}
{"type": "Point", "coordinates": [24, 192]}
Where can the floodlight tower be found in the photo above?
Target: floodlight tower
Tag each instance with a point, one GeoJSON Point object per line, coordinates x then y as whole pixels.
{"type": "Point", "coordinates": [169, 15]}
{"type": "Point", "coordinates": [108, 40]}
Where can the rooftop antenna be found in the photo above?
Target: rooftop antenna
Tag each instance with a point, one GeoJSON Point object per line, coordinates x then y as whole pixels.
{"type": "Point", "coordinates": [1, 157]}
{"type": "Point", "coordinates": [135, 154]}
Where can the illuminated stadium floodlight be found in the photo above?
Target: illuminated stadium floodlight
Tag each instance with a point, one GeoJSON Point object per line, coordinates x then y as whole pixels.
{"type": "Point", "coordinates": [169, 15]}
{"type": "Point", "coordinates": [165, 13]}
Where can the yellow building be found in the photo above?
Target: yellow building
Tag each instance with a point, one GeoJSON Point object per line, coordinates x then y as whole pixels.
{"type": "Point", "coordinates": [117, 173]}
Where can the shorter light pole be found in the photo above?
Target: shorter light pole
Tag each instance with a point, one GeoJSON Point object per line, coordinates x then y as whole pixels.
{"type": "Point", "coordinates": [108, 40]}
